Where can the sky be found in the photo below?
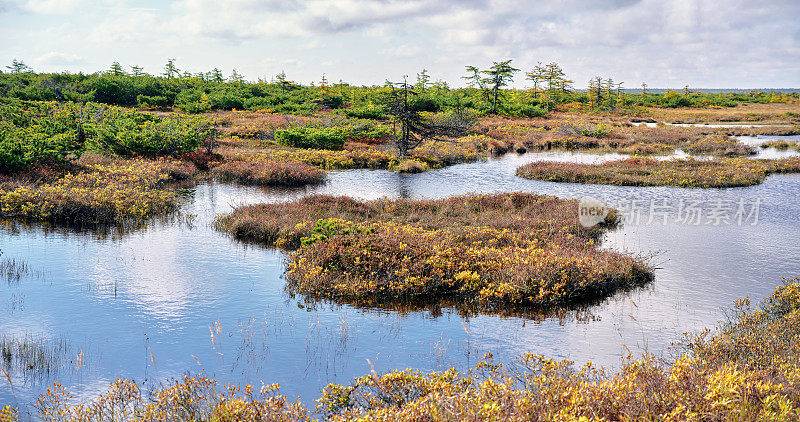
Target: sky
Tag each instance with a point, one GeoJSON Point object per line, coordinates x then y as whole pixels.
{"type": "Point", "coordinates": [664, 43]}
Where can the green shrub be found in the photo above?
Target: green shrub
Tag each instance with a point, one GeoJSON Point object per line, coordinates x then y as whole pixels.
{"type": "Point", "coordinates": [596, 131]}
{"type": "Point", "coordinates": [331, 101]}
{"type": "Point", "coordinates": [257, 103]}
{"type": "Point", "coordinates": [308, 109]}
{"type": "Point", "coordinates": [366, 132]}
{"type": "Point", "coordinates": [366, 112]}
{"type": "Point", "coordinates": [147, 101]}
{"type": "Point", "coordinates": [139, 134]}
{"type": "Point", "coordinates": [226, 101]}
{"type": "Point", "coordinates": [287, 108]}
{"type": "Point", "coordinates": [37, 132]}
{"type": "Point", "coordinates": [524, 110]}
{"type": "Point", "coordinates": [193, 101]}
{"type": "Point", "coordinates": [316, 137]}
{"type": "Point", "coordinates": [425, 103]}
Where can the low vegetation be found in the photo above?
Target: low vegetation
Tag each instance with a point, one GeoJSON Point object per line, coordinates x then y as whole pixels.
{"type": "Point", "coordinates": [747, 371]}
{"type": "Point", "coordinates": [41, 132]}
{"type": "Point", "coordinates": [269, 173]}
{"type": "Point", "coordinates": [115, 191]}
{"type": "Point", "coordinates": [781, 144]}
{"type": "Point", "coordinates": [491, 250]}
{"type": "Point", "coordinates": [643, 171]}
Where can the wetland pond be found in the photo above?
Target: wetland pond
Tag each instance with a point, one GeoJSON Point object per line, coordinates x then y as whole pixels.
{"type": "Point", "coordinates": [179, 297]}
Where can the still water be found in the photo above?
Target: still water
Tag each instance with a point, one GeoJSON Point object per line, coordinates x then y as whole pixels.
{"type": "Point", "coordinates": [178, 297]}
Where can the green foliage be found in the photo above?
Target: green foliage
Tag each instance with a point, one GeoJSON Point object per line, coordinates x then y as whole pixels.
{"type": "Point", "coordinates": [36, 132]}
{"type": "Point", "coordinates": [369, 111]}
{"type": "Point", "coordinates": [138, 134]}
{"type": "Point", "coordinates": [193, 101]}
{"type": "Point", "coordinates": [596, 131]}
{"type": "Point", "coordinates": [312, 136]}
{"type": "Point", "coordinates": [155, 101]}
{"type": "Point", "coordinates": [210, 91]}
{"type": "Point", "coordinates": [328, 227]}
{"type": "Point", "coordinates": [425, 103]}
{"type": "Point", "coordinates": [523, 110]}
{"type": "Point", "coordinates": [226, 101]}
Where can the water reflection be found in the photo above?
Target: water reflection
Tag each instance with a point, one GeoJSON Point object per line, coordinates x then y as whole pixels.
{"type": "Point", "coordinates": [147, 303]}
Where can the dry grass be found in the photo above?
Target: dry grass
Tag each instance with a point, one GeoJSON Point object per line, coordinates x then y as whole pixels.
{"type": "Point", "coordinates": [775, 113]}
{"type": "Point", "coordinates": [100, 190]}
{"type": "Point", "coordinates": [491, 250]}
{"type": "Point", "coordinates": [639, 171]}
{"type": "Point", "coordinates": [269, 173]}
{"type": "Point", "coordinates": [609, 133]}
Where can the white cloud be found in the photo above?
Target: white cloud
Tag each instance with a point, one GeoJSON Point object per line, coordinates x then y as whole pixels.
{"type": "Point", "coordinates": [736, 42]}
{"type": "Point", "coordinates": [56, 58]}
{"type": "Point", "coordinates": [51, 6]}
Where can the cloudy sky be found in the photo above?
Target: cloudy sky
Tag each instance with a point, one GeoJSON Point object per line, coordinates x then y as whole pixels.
{"type": "Point", "coordinates": [665, 43]}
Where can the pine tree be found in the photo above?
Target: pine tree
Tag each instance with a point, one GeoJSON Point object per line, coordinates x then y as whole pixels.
{"type": "Point", "coordinates": [18, 66]}
{"type": "Point", "coordinates": [116, 69]}
{"type": "Point", "coordinates": [170, 70]}
{"type": "Point", "coordinates": [137, 70]}
{"type": "Point", "coordinates": [422, 80]}
{"type": "Point", "coordinates": [216, 75]}
{"type": "Point", "coordinates": [497, 76]}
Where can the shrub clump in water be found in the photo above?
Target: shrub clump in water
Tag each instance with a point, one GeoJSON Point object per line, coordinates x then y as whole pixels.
{"type": "Point", "coordinates": [489, 250]}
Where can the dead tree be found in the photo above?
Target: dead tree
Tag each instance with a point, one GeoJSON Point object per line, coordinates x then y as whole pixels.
{"type": "Point", "coordinates": [416, 128]}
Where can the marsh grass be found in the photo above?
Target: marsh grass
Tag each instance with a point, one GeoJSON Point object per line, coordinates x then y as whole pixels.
{"type": "Point", "coordinates": [13, 270]}
{"type": "Point", "coordinates": [774, 113]}
{"type": "Point", "coordinates": [34, 355]}
{"type": "Point", "coordinates": [604, 133]}
{"type": "Point", "coordinates": [643, 171]}
{"type": "Point", "coordinates": [269, 173]}
{"type": "Point", "coordinates": [781, 144]}
{"type": "Point", "coordinates": [489, 250]}
{"type": "Point", "coordinates": [100, 191]}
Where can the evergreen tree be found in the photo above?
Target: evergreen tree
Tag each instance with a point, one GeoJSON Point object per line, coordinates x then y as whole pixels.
{"type": "Point", "coordinates": [170, 70]}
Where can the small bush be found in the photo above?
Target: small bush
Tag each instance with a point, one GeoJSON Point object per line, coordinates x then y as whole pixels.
{"type": "Point", "coordinates": [269, 173]}
{"type": "Point", "coordinates": [225, 101]}
{"type": "Point", "coordinates": [638, 171]}
{"type": "Point", "coordinates": [102, 193]}
{"type": "Point", "coordinates": [154, 102]}
{"type": "Point", "coordinates": [193, 101]}
{"type": "Point", "coordinates": [492, 250]}
{"type": "Point", "coordinates": [316, 137]}
{"type": "Point", "coordinates": [524, 110]}
{"type": "Point", "coordinates": [136, 134]}
{"type": "Point", "coordinates": [366, 112]}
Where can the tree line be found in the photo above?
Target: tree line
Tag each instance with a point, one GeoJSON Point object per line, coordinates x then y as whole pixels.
{"type": "Point", "coordinates": [487, 91]}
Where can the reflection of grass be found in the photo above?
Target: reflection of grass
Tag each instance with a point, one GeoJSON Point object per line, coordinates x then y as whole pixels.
{"type": "Point", "coordinates": [33, 354]}
{"type": "Point", "coordinates": [510, 249]}
{"type": "Point", "coordinates": [649, 172]}
{"type": "Point", "coordinates": [748, 371]}
{"type": "Point", "coordinates": [12, 270]}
